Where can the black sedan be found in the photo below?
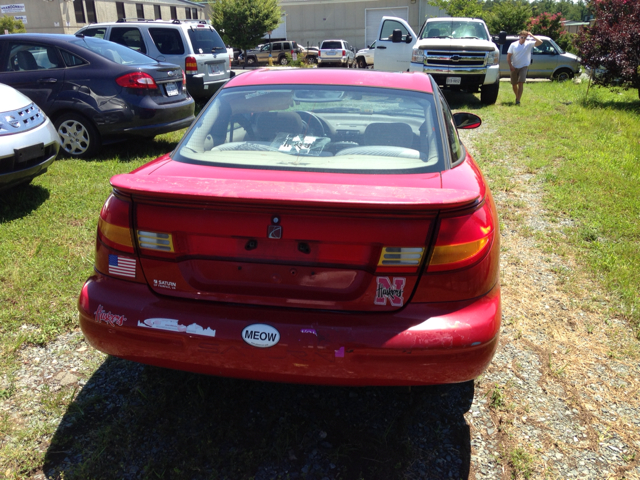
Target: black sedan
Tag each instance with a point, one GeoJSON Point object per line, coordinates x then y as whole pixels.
{"type": "Point", "coordinates": [95, 91]}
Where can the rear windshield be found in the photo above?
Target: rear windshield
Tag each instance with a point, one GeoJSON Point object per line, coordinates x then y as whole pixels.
{"type": "Point", "coordinates": [455, 29]}
{"type": "Point", "coordinates": [317, 128]}
{"type": "Point", "coordinates": [205, 40]}
{"type": "Point", "coordinates": [113, 51]}
{"type": "Point", "coordinates": [332, 45]}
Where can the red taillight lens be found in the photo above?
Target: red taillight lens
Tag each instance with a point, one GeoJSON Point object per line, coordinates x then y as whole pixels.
{"type": "Point", "coordinates": [191, 65]}
{"type": "Point", "coordinates": [343, 53]}
{"type": "Point", "coordinates": [114, 227]}
{"type": "Point", "coordinates": [463, 240]}
{"type": "Point", "coordinates": [137, 80]}
{"type": "Point", "coordinates": [319, 53]}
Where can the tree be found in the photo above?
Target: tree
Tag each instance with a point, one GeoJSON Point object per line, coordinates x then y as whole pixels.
{"type": "Point", "coordinates": [459, 8]}
{"type": "Point", "coordinates": [243, 23]}
{"type": "Point", "coordinates": [612, 43]}
{"type": "Point", "coordinates": [547, 24]}
{"type": "Point", "coordinates": [11, 25]}
{"type": "Point", "coordinates": [510, 16]}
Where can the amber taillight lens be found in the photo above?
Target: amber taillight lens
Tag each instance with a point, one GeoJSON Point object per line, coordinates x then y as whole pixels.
{"type": "Point", "coordinates": [114, 227]}
{"type": "Point", "coordinates": [463, 240]}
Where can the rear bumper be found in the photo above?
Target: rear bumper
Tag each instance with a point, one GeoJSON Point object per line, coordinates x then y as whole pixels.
{"type": "Point", "coordinates": [421, 344]}
{"type": "Point", "coordinates": [198, 88]}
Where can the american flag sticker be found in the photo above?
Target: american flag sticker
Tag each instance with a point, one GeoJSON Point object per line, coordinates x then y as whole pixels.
{"type": "Point", "coordinates": [122, 266]}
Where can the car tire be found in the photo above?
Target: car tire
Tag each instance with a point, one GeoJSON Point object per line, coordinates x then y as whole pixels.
{"type": "Point", "coordinates": [283, 60]}
{"type": "Point", "coordinates": [563, 75]}
{"type": "Point", "coordinates": [78, 137]}
{"type": "Point", "coordinates": [251, 60]}
{"type": "Point", "coordinates": [489, 93]}
{"type": "Point", "coordinates": [362, 63]}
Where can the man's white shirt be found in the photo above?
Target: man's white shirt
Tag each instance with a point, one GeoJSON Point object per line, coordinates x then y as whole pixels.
{"type": "Point", "coordinates": [521, 53]}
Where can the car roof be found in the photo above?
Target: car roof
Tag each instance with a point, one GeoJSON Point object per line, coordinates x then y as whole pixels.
{"type": "Point", "coordinates": [58, 38]}
{"type": "Point", "coordinates": [416, 81]}
{"type": "Point", "coordinates": [174, 23]}
{"type": "Point", "coordinates": [455, 19]}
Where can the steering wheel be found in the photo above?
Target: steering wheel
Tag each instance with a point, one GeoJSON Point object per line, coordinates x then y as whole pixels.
{"type": "Point", "coordinates": [313, 125]}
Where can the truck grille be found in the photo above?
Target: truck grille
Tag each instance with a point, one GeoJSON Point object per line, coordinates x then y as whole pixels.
{"type": "Point", "coordinates": [455, 59]}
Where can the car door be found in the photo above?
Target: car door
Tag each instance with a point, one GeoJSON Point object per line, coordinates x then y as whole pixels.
{"type": "Point", "coordinates": [394, 55]}
{"type": "Point", "coordinates": [35, 69]}
{"type": "Point", "coordinates": [544, 61]}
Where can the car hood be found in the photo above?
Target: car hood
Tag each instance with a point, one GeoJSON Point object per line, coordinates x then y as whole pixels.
{"type": "Point", "coordinates": [12, 99]}
{"type": "Point", "coordinates": [466, 44]}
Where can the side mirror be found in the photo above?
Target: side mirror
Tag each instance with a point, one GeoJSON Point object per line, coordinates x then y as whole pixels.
{"type": "Point", "coordinates": [396, 36]}
{"type": "Point", "coordinates": [502, 38]}
{"type": "Point", "coordinates": [466, 120]}
{"type": "Point", "coordinates": [409, 38]}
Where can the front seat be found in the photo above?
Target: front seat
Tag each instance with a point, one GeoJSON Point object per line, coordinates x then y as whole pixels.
{"type": "Point", "coordinates": [26, 60]}
{"type": "Point", "coordinates": [389, 134]}
{"type": "Point", "coordinates": [269, 124]}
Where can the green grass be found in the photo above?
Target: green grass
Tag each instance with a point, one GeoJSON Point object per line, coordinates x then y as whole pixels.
{"type": "Point", "coordinates": [586, 151]}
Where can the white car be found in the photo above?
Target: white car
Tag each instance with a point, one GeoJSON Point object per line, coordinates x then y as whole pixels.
{"type": "Point", "coordinates": [29, 142]}
{"type": "Point", "coordinates": [336, 53]}
{"type": "Point", "coordinates": [364, 56]}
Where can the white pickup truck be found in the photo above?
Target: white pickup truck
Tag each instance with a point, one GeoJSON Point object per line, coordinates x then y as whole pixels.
{"type": "Point", "coordinates": [457, 52]}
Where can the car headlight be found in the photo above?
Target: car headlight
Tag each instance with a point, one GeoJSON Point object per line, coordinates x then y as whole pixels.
{"type": "Point", "coordinates": [417, 55]}
{"type": "Point", "coordinates": [493, 58]}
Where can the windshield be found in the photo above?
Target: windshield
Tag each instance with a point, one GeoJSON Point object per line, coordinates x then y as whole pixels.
{"type": "Point", "coordinates": [317, 128]}
{"type": "Point", "coordinates": [455, 29]}
{"type": "Point", "coordinates": [113, 51]}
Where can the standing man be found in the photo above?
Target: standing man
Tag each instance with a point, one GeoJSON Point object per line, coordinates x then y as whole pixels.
{"type": "Point", "coordinates": [519, 58]}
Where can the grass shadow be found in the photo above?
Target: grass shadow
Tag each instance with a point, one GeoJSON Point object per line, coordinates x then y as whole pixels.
{"type": "Point", "coordinates": [130, 150]}
{"type": "Point", "coordinates": [134, 421]}
{"type": "Point", "coordinates": [463, 100]}
{"type": "Point", "coordinates": [597, 104]}
{"type": "Point", "coordinates": [20, 201]}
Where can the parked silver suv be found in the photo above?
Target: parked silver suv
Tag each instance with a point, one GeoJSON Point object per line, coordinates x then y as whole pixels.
{"type": "Point", "coordinates": [192, 44]}
{"type": "Point", "coordinates": [547, 60]}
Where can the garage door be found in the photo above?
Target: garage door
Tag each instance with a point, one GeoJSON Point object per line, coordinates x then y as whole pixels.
{"type": "Point", "coordinates": [373, 17]}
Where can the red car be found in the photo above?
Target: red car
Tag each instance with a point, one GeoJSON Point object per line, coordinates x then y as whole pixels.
{"type": "Point", "coordinates": [322, 227]}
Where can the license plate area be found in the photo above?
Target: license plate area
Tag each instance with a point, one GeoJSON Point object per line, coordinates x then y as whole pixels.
{"type": "Point", "coordinates": [172, 89]}
{"type": "Point", "coordinates": [453, 80]}
{"type": "Point", "coordinates": [215, 68]}
{"type": "Point", "coordinates": [28, 153]}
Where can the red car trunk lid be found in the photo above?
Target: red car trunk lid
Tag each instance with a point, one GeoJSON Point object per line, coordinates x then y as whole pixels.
{"type": "Point", "coordinates": [284, 243]}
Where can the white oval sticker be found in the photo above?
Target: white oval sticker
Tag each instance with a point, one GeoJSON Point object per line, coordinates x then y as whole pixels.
{"type": "Point", "coordinates": [260, 335]}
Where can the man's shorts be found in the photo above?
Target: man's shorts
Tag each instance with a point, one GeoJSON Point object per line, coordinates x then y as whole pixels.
{"type": "Point", "coordinates": [519, 75]}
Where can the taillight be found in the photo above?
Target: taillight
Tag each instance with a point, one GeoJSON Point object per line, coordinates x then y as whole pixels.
{"type": "Point", "coordinates": [115, 254]}
{"type": "Point", "coordinates": [463, 240]}
{"type": "Point", "coordinates": [184, 79]}
{"type": "Point", "coordinates": [137, 80]}
{"type": "Point", "coordinates": [343, 53]}
{"type": "Point", "coordinates": [191, 65]}
{"type": "Point", "coordinates": [114, 227]}
{"type": "Point", "coordinates": [319, 53]}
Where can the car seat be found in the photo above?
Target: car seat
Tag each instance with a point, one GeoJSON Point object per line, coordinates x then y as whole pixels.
{"type": "Point", "coordinates": [389, 134]}
{"type": "Point", "coordinates": [26, 60]}
{"type": "Point", "coordinates": [434, 33]}
{"type": "Point", "coordinates": [269, 124]}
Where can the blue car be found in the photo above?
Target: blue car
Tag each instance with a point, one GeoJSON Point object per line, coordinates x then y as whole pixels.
{"type": "Point", "coordinates": [95, 91]}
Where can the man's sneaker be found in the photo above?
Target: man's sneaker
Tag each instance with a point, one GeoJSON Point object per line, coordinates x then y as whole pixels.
{"type": "Point", "coordinates": [517, 102]}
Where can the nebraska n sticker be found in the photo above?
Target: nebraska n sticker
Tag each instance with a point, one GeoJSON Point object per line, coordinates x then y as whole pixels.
{"type": "Point", "coordinates": [391, 290]}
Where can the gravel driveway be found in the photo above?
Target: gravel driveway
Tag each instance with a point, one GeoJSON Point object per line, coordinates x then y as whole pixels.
{"type": "Point", "coordinates": [560, 399]}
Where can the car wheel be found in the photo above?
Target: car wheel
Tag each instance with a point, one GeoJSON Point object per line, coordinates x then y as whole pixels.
{"type": "Point", "coordinates": [78, 136]}
{"type": "Point", "coordinates": [563, 75]}
{"type": "Point", "coordinates": [489, 93]}
{"type": "Point", "coordinates": [251, 60]}
{"type": "Point", "coordinates": [283, 60]}
{"type": "Point", "coordinates": [362, 63]}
